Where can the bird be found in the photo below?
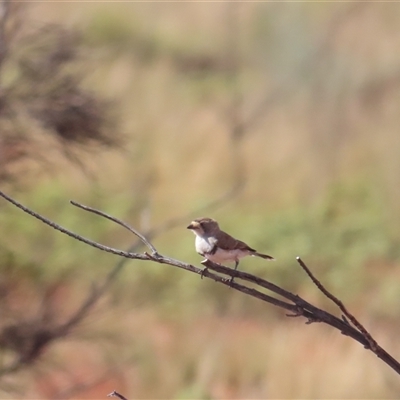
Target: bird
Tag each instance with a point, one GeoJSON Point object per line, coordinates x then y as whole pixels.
{"type": "Point", "coordinates": [218, 246]}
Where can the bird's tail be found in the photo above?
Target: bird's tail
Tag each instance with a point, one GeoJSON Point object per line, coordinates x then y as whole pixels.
{"type": "Point", "coordinates": [265, 256]}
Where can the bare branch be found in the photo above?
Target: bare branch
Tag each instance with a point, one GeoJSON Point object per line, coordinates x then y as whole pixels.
{"type": "Point", "coordinates": [344, 310]}
{"type": "Point", "coordinates": [98, 291]}
{"type": "Point", "coordinates": [372, 344]}
{"type": "Point", "coordinates": [91, 300]}
{"type": "Point", "coordinates": [296, 305]}
{"type": "Point", "coordinates": [116, 394]}
{"type": "Point", "coordinates": [118, 221]}
{"type": "Point", "coordinates": [72, 234]}
{"type": "Point", "coordinates": [301, 307]}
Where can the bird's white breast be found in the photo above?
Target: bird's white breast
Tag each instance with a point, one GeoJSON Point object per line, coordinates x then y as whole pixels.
{"type": "Point", "coordinates": [205, 246]}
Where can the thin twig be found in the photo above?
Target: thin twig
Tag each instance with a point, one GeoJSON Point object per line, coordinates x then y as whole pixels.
{"type": "Point", "coordinates": [371, 342]}
{"type": "Point", "coordinates": [72, 234]}
{"type": "Point", "coordinates": [117, 221]}
{"type": "Point", "coordinates": [342, 307]}
{"type": "Point", "coordinates": [116, 394]}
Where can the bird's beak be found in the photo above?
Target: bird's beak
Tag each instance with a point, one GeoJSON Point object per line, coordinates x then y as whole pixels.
{"type": "Point", "coordinates": [190, 226]}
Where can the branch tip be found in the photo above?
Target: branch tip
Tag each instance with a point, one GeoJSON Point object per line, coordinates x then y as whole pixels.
{"type": "Point", "coordinates": [114, 393]}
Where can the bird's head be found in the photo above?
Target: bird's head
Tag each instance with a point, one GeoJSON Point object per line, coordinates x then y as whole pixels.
{"type": "Point", "coordinates": [203, 226]}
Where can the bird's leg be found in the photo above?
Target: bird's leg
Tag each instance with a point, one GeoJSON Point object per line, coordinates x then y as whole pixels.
{"type": "Point", "coordinates": [236, 265]}
{"type": "Point", "coordinates": [205, 268]}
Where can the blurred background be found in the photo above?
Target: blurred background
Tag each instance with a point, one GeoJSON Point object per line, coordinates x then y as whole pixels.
{"type": "Point", "coordinates": [280, 120]}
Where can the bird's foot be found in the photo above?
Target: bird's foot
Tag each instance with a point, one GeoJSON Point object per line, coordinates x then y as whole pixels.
{"type": "Point", "coordinates": [204, 262]}
{"type": "Point", "coordinates": [203, 271]}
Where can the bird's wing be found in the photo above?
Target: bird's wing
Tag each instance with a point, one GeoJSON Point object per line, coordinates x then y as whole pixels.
{"type": "Point", "coordinates": [227, 242]}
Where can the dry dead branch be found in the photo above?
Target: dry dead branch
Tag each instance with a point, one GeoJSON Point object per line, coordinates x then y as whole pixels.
{"type": "Point", "coordinates": [297, 306]}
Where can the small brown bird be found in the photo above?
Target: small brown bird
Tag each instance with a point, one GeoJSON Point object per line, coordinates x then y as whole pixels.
{"type": "Point", "coordinates": [217, 246]}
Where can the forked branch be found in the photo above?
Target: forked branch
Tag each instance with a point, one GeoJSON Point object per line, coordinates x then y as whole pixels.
{"type": "Point", "coordinates": [297, 306]}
